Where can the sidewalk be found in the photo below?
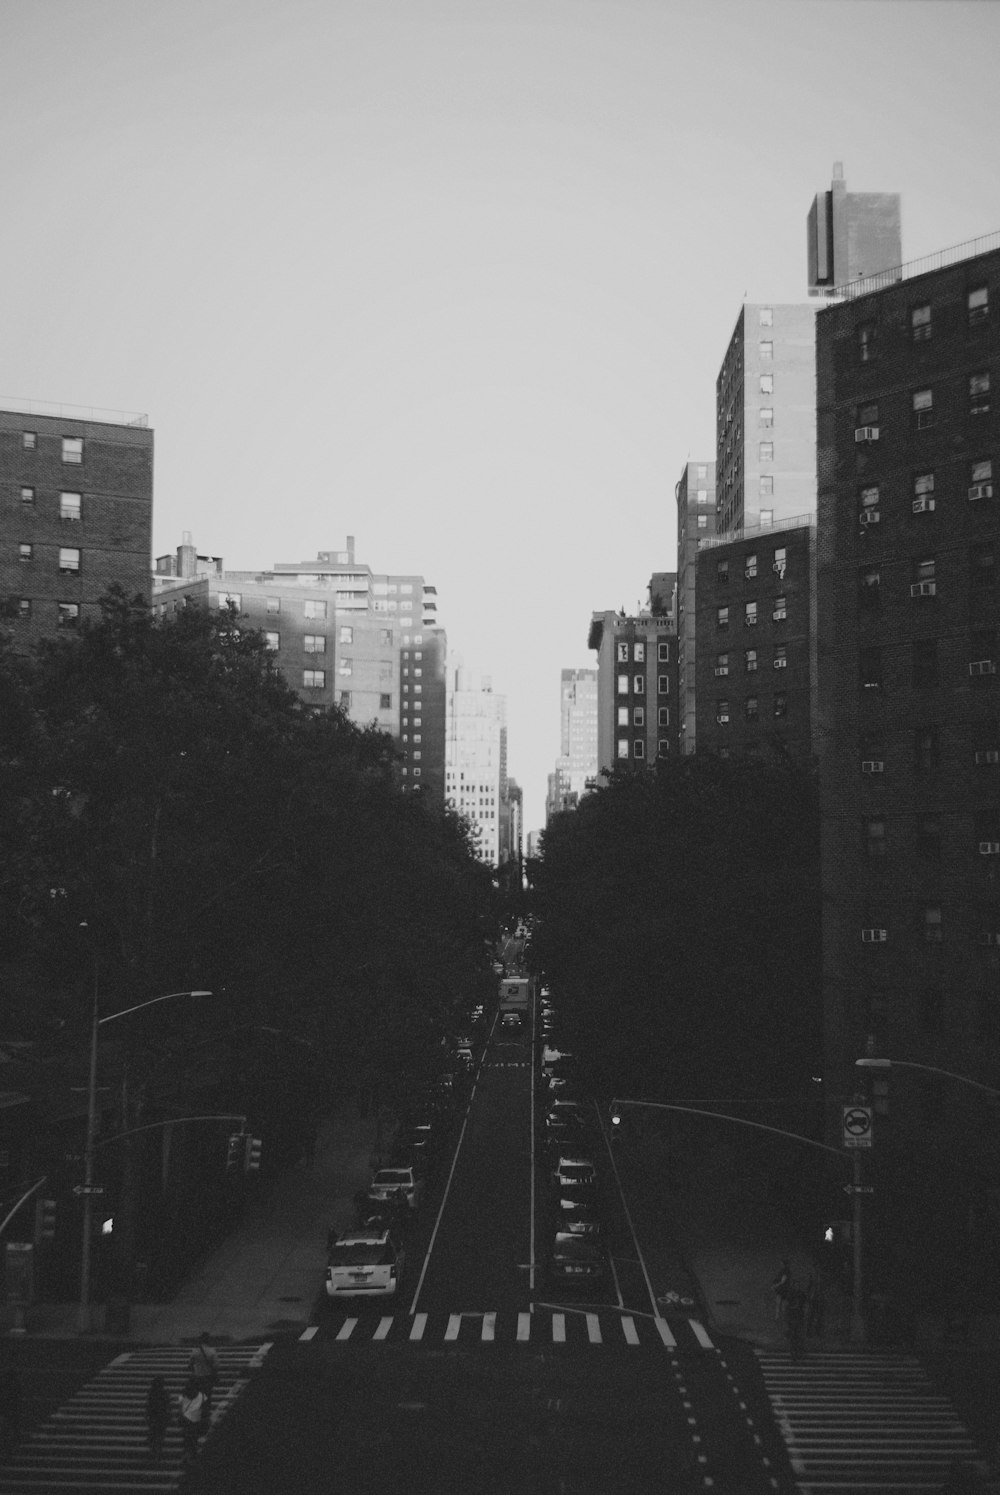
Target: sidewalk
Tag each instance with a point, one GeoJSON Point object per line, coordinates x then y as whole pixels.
{"type": "Point", "coordinates": [265, 1277]}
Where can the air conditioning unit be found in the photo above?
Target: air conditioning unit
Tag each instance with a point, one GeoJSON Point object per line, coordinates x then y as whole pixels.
{"type": "Point", "coordinates": [987, 755]}
{"type": "Point", "coordinates": [874, 936]}
{"type": "Point", "coordinates": [869, 516]}
{"type": "Point", "coordinates": [750, 622]}
{"type": "Point", "coordinates": [989, 848]}
{"type": "Point", "coordinates": [923, 505]}
{"type": "Point", "coordinates": [780, 664]}
{"type": "Point", "coordinates": [722, 669]}
{"type": "Point", "coordinates": [779, 568]}
{"type": "Point", "coordinates": [982, 667]}
{"type": "Point", "coordinates": [923, 589]}
{"type": "Point", "coordinates": [873, 765]}
{"type": "Point", "coordinates": [925, 418]}
{"type": "Point", "coordinates": [978, 314]}
{"type": "Point", "coordinates": [981, 490]}
{"type": "Point", "coordinates": [989, 937]}
{"type": "Point", "coordinates": [778, 617]}
{"type": "Point", "coordinates": [723, 720]}
{"type": "Point", "coordinates": [749, 575]}
{"type": "Point", "coordinates": [866, 433]}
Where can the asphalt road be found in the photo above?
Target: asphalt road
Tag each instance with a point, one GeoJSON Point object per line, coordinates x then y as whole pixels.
{"type": "Point", "coordinates": [478, 1377]}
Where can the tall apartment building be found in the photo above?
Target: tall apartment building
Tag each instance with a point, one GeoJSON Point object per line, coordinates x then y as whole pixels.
{"type": "Point", "coordinates": [76, 514]}
{"type": "Point", "coordinates": [851, 235]}
{"type": "Point", "coordinates": [636, 687]}
{"type": "Point", "coordinates": [476, 758]}
{"type": "Point", "coordinates": [344, 636]}
{"type": "Point", "coordinates": [909, 644]}
{"type": "Point", "coordinates": [512, 828]}
{"type": "Point", "coordinates": [576, 766]}
{"type": "Point", "coordinates": [695, 495]}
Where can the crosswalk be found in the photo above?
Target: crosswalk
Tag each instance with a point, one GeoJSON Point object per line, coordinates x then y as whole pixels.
{"type": "Point", "coordinates": [545, 1327]}
{"type": "Point", "coordinates": [856, 1422]}
{"type": "Point", "coordinates": [95, 1443]}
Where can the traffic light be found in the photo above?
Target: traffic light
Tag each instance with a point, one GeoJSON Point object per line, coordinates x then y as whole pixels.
{"type": "Point", "coordinates": [616, 1116]}
{"type": "Point", "coordinates": [252, 1161]}
{"type": "Point", "coordinates": [236, 1154]}
{"type": "Point", "coordinates": [45, 1220]}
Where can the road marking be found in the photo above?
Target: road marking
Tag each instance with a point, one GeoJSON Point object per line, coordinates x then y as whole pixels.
{"type": "Point", "coordinates": [628, 1215]}
{"type": "Point", "coordinates": [700, 1335]}
{"type": "Point", "coordinates": [665, 1334]}
{"type": "Point", "coordinates": [309, 1333]}
{"type": "Point", "coordinates": [454, 1324]}
{"type": "Point", "coordinates": [384, 1325]}
{"type": "Point", "coordinates": [489, 1325]}
{"type": "Point", "coordinates": [593, 1328]}
{"type": "Point", "coordinates": [524, 1326]}
{"type": "Point", "coordinates": [629, 1330]}
{"type": "Point", "coordinates": [345, 1329]}
{"type": "Point", "coordinates": [559, 1328]}
{"type": "Point", "coordinates": [419, 1325]}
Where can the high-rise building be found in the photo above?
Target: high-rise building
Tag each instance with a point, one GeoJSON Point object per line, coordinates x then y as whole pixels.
{"type": "Point", "coordinates": [909, 645]}
{"type": "Point", "coordinates": [343, 635]}
{"type": "Point", "coordinates": [76, 516]}
{"type": "Point", "coordinates": [695, 494]}
{"type": "Point", "coordinates": [476, 758]}
{"type": "Point", "coordinates": [851, 235]}
{"type": "Point", "coordinates": [576, 766]}
{"type": "Point", "coordinates": [636, 685]}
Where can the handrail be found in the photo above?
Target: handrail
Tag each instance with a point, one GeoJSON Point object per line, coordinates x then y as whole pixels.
{"type": "Point", "coordinates": [73, 412]}
{"type": "Point", "coordinates": [865, 285]}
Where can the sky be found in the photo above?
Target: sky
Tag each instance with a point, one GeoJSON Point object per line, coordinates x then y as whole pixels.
{"type": "Point", "coordinates": [452, 276]}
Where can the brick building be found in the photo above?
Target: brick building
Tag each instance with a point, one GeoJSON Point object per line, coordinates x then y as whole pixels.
{"type": "Point", "coordinates": [695, 495]}
{"type": "Point", "coordinates": [755, 660]}
{"type": "Point", "coordinates": [76, 514]}
{"type": "Point", "coordinates": [636, 686]}
{"type": "Point", "coordinates": [908, 612]}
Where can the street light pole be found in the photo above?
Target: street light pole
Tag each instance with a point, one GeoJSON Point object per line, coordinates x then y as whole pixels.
{"type": "Point", "coordinates": [927, 1068]}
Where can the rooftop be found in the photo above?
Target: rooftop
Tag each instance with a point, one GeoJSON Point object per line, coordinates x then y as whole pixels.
{"type": "Point", "coordinates": [866, 284]}
{"type": "Point", "coordinates": [74, 412]}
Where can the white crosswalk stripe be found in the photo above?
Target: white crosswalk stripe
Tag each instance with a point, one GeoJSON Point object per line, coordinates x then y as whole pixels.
{"type": "Point", "coordinates": [572, 1327]}
{"type": "Point", "coordinates": [95, 1443]}
{"type": "Point", "coordinates": [859, 1422]}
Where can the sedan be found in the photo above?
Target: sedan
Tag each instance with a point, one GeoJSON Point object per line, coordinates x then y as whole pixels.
{"type": "Point", "coordinates": [367, 1262]}
{"type": "Point", "coordinates": [581, 1221]}
{"type": "Point", "coordinates": [571, 1197]}
{"type": "Point", "coordinates": [575, 1260]}
{"type": "Point", "coordinates": [574, 1171]}
{"type": "Point", "coordinates": [389, 1182]}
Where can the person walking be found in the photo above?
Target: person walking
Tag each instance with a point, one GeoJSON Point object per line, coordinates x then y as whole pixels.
{"type": "Point", "coordinates": [203, 1368]}
{"type": "Point", "coordinates": [157, 1417]}
{"type": "Point", "coordinates": [796, 1314]}
{"type": "Point", "coordinates": [781, 1287]}
{"type": "Point", "coordinates": [191, 1411]}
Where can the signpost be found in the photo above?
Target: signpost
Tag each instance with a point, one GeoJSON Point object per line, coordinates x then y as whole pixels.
{"type": "Point", "coordinates": [857, 1125]}
{"type": "Point", "coordinates": [857, 1134]}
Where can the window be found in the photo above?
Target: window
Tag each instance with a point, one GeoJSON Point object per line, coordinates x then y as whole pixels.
{"type": "Point", "coordinates": [638, 748]}
{"type": "Point", "coordinates": [868, 505]}
{"type": "Point", "coordinates": [873, 833]}
{"type": "Point", "coordinates": [926, 749]}
{"type": "Point", "coordinates": [70, 505]}
{"type": "Point", "coordinates": [766, 416]}
{"type": "Point", "coordinates": [978, 302]}
{"type": "Point", "coordinates": [69, 561]}
{"type": "Point", "coordinates": [925, 663]}
{"type": "Point", "coordinates": [982, 566]}
{"type": "Point", "coordinates": [868, 415]}
{"type": "Point", "coordinates": [345, 635]}
{"type": "Point", "coordinates": [765, 451]}
{"type": "Point", "coordinates": [780, 661]}
{"type": "Point", "coordinates": [751, 708]}
{"type": "Point", "coordinates": [870, 588]}
{"type": "Point", "coordinates": [623, 716]}
{"type": "Point", "coordinates": [701, 496]}
{"type": "Point", "coordinates": [750, 660]}
{"type": "Point", "coordinates": [314, 679]}
{"type": "Point", "coordinates": [923, 408]}
{"type": "Point", "coordinates": [981, 473]}
{"type": "Point", "coordinates": [344, 699]}
{"type": "Point", "coordinates": [923, 577]}
{"type": "Point", "coordinates": [273, 605]}
{"type": "Point", "coordinates": [923, 493]}
{"type": "Point", "coordinates": [765, 316]}
{"type": "Point", "coordinates": [623, 685]}
{"type": "Point", "coordinates": [702, 521]}
{"type": "Point", "coordinates": [663, 748]}
{"type": "Point", "coordinates": [750, 615]}
{"type": "Point", "coordinates": [663, 651]}
{"type": "Point", "coordinates": [722, 664]}
{"type": "Point", "coordinates": [622, 651]}
{"type": "Point", "coordinates": [72, 449]}
{"type": "Point", "coordinates": [663, 716]}
{"type": "Point", "coordinates": [866, 342]}
{"type": "Point", "coordinates": [870, 665]}
{"type": "Point", "coordinates": [931, 924]}
{"type": "Point", "coordinates": [225, 598]}
{"type": "Point", "coordinates": [345, 666]}
{"type": "Point", "coordinates": [639, 684]}
{"type": "Point", "coordinates": [722, 712]}
{"type": "Point", "coordinates": [29, 441]}
{"type": "Point", "coordinates": [24, 551]}
{"type": "Point", "coordinates": [979, 394]}
{"type": "Point", "coordinates": [315, 643]}
{"type": "Point", "coordinates": [722, 617]}
{"type": "Point", "coordinates": [272, 640]}
{"type": "Point", "coordinates": [68, 614]}
{"type": "Point", "coordinates": [722, 572]}
{"type": "Point", "coordinates": [385, 703]}
{"type": "Point", "coordinates": [766, 485]}
{"type": "Point", "coordinates": [767, 384]}
{"type": "Point", "coordinates": [702, 471]}
{"type": "Point", "coordinates": [314, 610]}
{"type": "Point", "coordinates": [928, 839]}
{"type": "Point", "coordinates": [920, 323]}
{"type": "Point", "coordinates": [780, 562]}
{"type": "Point", "coordinates": [749, 567]}
{"type": "Point", "coordinates": [663, 685]}
{"type": "Point", "coordinates": [638, 716]}
{"type": "Point", "coordinates": [385, 637]}
{"type": "Point", "coordinates": [984, 653]}
{"type": "Point", "coordinates": [766, 348]}
{"type": "Point", "coordinates": [27, 498]}
{"type": "Point", "coordinates": [622, 747]}
{"type": "Point", "coordinates": [780, 612]}
{"type": "Point", "coordinates": [766, 516]}
{"type": "Point", "coordinates": [780, 703]}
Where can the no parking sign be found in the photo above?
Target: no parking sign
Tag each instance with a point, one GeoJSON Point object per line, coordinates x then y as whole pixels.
{"type": "Point", "coordinates": [857, 1126]}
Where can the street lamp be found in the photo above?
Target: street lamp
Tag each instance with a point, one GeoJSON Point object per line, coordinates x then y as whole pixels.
{"type": "Point", "coordinates": [97, 1022]}
{"type": "Point", "coordinates": [928, 1068]}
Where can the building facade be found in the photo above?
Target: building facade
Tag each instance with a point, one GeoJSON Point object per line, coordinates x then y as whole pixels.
{"type": "Point", "coordinates": [476, 759]}
{"type": "Point", "coordinates": [76, 515]}
{"type": "Point", "coordinates": [851, 235]}
{"type": "Point", "coordinates": [909, 631]}
{"type": "Point", "coordinates": [636, 688]}
{"type": "Point", "coordinates": [695, 495]}
{"type": "Point", "coordinates": [576, 767]}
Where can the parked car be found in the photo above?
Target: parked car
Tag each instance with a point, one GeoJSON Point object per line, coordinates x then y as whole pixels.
{"type": "Point", "coordinates": [575, 1260]}
{"type": "Point", "coordinates": [365, 1262]}
{"type": "Point", "coordinates": [574, 1170]}
{"type": "Point", "coordinates": [581, 1220]}
{"type": "Point", "coordinates": [568, 1198]}
{"type": "Point", "coordinates": [388, 1182]}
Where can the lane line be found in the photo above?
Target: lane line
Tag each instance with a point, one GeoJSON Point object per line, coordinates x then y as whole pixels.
{"type": "Point", "coordinates": [628, 1214]}
{"type": "Point", "coordinates": [559, 1328]}
{"type": "Point", "coordinates": [593, 1328]}
{"type": "Point", "coordinates": [665, 1334]}
{"type": "Point", "coordinates": [629, 1330]}
{"type": "Point", "coordinates": [524, 1326]}
{"type": "Point", "coordinates": [454, 1324]}
{"type": "Point", "coordinates": [700, 1334]}
{"type": "Point", "coordinates": [309, 1333]}
{"type": "Point", "coordinates": [489, 1326]}
{"type": "Point", "coordinates": [384, 1325]}
{"type": "Point", "coordinates": [346, 1329]}
{"type": "Point", "coordinates": [418, 1326]}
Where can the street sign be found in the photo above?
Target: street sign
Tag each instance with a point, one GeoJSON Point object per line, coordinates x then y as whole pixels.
{"type": "Point", "coordinates": [80, 1189]}
{"type": "Point", "coordinates": [859, 1189]}
{"type": "Point", "coordinates": [857, 1126]}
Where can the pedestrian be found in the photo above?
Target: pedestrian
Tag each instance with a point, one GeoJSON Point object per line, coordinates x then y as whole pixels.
{"type": "Point", "coordinates": [157, 1416]}
{"type": "Point", "coordinates": [203, 1367]}
{"type": "Point", "coordinates": [10, 1411]}
{"type": "Point", "coordinates": [781, 1287]}
{"type": "Point", "coordinates": [815, 1305]}
{"type": "Point", "coordinates": [191, 1410]}
{"type": "Point", "coordinates": [796, 1312]}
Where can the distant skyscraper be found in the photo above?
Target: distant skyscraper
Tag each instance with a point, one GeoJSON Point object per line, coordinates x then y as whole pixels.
{"type": "Point", "coordinates": [851, 234]}
{"type": "Point", "coordinates": [695, 494]}
{"type": "Point", "coordinates": [576, 766]}
{"type": "Point", "coordinates": [476, 758]}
